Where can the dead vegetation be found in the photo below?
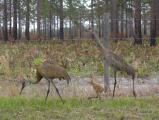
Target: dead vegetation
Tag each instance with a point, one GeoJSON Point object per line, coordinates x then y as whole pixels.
{"type": "Point", "coordinates": [79, 58]}
{"type": "Point", "coordinates": [76, 57]}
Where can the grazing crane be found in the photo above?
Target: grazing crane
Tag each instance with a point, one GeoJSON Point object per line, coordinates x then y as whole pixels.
{"type": "Point", "coordinates": [49, 71]}
{"type": "Point", "coordinates": [116, 62]}
{"type": "Point", "coordinates": [96, 86]}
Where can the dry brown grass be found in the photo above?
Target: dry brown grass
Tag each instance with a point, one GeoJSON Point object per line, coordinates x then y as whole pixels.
{"type": "Point", "coordinates": [4, 60]}
{"type": "Point", "coordinates": [76, 89]}
{"type": "Point", "coordinates": [13, 90]}
{"type": "Point", "coordinates": [80, 59]}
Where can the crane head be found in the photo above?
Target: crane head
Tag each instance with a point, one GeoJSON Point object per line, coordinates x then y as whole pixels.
{"type": "Point", "coordinates": [91, 82]}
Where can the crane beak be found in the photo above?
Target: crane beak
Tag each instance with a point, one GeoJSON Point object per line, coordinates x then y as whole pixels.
{"type": "Point", "coordinates": [89, 82]}
{"type": "Point", "coordinates": [23, 86]}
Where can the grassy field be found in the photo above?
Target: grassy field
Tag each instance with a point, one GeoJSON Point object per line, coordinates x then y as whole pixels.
{"type": "Point", "coordinates": [122, 108]}
{"type": "Point", "coordinates": [80, 58]}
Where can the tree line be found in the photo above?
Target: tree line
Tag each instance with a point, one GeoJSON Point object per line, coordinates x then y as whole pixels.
{"type": "Point", "coordinates": [68, 19]}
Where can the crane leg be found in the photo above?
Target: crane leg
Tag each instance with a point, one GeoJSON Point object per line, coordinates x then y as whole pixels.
{"type": "Point", "coordinates": [134, 87]}
{"type": "Point", "coordinates": [98, 96]}
{"type": "Point", "coordinates": [48, 91]}
{"type": "Point", "coordinates": [57, 91]}
{"type": "Point", "coordinates": [115, 82]}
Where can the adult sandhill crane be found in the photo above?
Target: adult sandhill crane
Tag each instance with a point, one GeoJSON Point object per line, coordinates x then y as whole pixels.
{"type": "Point", "coordinates": [49, 71]}
{"type": "Point", "coordinates": [116, 62]}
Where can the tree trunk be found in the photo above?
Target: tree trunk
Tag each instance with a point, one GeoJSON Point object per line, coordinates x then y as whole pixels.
{"type": "Point", "coordinates": [126, 23]}
{"type": "Point", "coordinates": [153, 24]}
{"type": "Point", "coordinates": [50, 28]}
{"type": "Point", "coordinates": [105, 25]}
{"type": "Point", "coordinates": [50, 20]}
{"type": "Point", "coordinates": [5, 28]}
{"type": "Point", "coordinates": [54, 26]}
{"type": "Point", "coordinates": [34, 26]}
{"type": "Point", "coordinates": [38, 20]}
{"type": "Point", "coordinates": [157, 16]}
{"type": "Point", "coordinates": [145, 27]}
{"type": "Point", "coordinates": [61, 21]}
{"type": "Point", "coordinates": [27, 33]}
{"type": "Point", "coordinates": [114, 20]}
{"type": "Point", "coordinates": [80, 31]}
{"type": "Point", "coordinates": [19, 20]}
{"type": "Point", "coordinates": [15, 20]}
{"type": "Point", "coordinates": [45, 31]}
{"type": "Point", "coordinates": [145, 21]}
{"type": "Point", "coordinates": [57, 30]}
{"type": "Point", "coordinates": [99, 26]}
{"type": "Point", "coordinates": [70, 30]}
{"type": "Point", "coordinates": [92, 17]}
{"type": "Point", "coordinates": [122, 21]}
{"type": "Point", "coordinates": [10, 17]}
{"type": "Point", "coordinates": [138, 34]}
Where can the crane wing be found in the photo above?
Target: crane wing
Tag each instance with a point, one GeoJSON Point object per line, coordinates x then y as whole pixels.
{"type": "Point", "coordinates": [51, 71]}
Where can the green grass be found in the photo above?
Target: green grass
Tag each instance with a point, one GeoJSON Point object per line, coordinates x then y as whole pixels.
{"type": "Point", "coordinates": [14, 108]}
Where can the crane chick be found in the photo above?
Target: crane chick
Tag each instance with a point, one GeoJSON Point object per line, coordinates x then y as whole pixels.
{"type": "Point", "coordinates": [96, 86]}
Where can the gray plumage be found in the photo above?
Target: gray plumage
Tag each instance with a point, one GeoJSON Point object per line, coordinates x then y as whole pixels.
{"type": "Point", "coordinates": [116, 62]}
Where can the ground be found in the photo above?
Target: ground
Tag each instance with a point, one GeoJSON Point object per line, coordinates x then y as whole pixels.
{"type": "Point", "coordinates": [31, 105]}
{"type": "Point", "coordinates": [79, 87]}
{"type": "Point", "coordinates": [121, 108]}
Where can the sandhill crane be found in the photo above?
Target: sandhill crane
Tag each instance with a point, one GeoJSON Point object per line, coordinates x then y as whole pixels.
{"type": "Point", "coordinates": [96, 86]}
{"type": "Point", "coordinates": [49, 71]}
{"type": "Point", "coordinates": [116, 62]}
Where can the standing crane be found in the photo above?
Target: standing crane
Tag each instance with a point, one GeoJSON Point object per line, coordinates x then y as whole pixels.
{"type": "Point", "coordinates": [49, 71]}
{"type": "Point", "coordinates": [116, 62]}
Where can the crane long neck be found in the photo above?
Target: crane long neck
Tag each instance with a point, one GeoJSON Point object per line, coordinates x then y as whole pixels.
{"type": "Point", "coordinates": [99, 42]}
{"type": "Point", "coordinates": [38, 78]}
{"type": "Point", "coordinates": [93, 83]}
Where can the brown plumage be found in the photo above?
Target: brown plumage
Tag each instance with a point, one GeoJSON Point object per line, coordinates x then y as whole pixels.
{"type": "Point", "coordinates": [96, 86]}
{"type": "Point", "coordinates": [52, 71]}
{"type": "Point", "coordinates": [116, 62]}
{"type": "Point", "coordinates": [49, 71]}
